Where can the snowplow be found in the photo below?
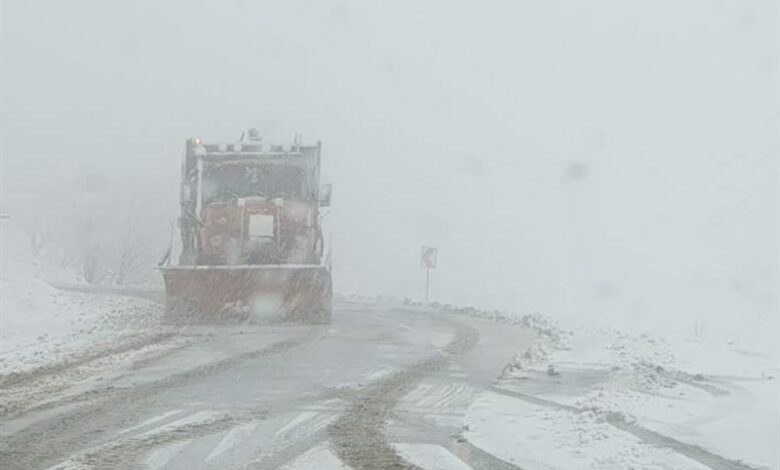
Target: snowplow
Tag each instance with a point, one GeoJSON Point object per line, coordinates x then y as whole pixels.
{"type": "Point", "coordinates": [253, 243]}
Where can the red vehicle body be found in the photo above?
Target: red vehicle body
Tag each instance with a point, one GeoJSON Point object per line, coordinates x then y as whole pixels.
{"type": "Point", "coordinates": [252, 238]}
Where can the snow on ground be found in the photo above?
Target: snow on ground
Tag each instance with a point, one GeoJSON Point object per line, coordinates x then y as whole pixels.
{"type": "Point", "coordinates": [233, 437]}
{"type": "Point", "coordinates": [430, 457]}
{"type": "Point", "coordinates": [537, 437]}
{"type": "Point", "coordinates": [318, 458]}
{"type": "Point", "coordinates": [159, 458]}
{"type": "Point", "coordinates": [41, 325]}
{"type": "Point", "coordinates": [716, 391]}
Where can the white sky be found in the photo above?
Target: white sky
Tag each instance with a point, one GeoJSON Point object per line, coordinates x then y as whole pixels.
{"type": "Point", "coordinates": [600, 157]}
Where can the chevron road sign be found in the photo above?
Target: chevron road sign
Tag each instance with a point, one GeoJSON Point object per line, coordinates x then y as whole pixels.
{"type": "Point", "coordinates": [428, 257]}
{"type": "Point", "coordinates": [428, 260]}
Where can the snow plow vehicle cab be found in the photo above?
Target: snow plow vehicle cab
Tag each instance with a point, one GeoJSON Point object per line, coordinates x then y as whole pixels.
{"type": "Point", "coordinates": [252, 240]}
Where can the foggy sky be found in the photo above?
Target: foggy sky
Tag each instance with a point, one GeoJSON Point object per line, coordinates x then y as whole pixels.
{"type": "Point", "coordinates": [580, 158]}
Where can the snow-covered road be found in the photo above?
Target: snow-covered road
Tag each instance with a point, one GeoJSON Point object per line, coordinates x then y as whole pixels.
{"type": "Point", "coordinates": [383, 386]}
{"type": "Point", "coordinates": [265, 396]}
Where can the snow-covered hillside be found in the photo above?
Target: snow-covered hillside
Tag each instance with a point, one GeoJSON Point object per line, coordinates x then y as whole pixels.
{"type": "Point", "coordinates": [41, 325]}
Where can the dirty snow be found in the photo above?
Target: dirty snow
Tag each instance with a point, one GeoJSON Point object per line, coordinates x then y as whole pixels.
{"type": "Point", "coordinates": [150, 421]}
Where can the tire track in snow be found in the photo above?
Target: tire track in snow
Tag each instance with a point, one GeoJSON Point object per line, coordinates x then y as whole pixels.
{"type": "Point", "coordinates": [52, 439]}
{"type": "Point", "coordinates": [20, 378]}
{"type": "Point", "coordinates": [699, 454]}
{"type": "Point", "coordinates": [124, 453]}
{"type": "Point", "coordinates": [417, 429]}
{"type": "Point", "coordinates": [358, 436]}
{"type": "Point", "coordinates": [38, 389]}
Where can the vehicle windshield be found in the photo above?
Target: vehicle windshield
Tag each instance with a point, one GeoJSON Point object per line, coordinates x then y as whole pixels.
{"type": "Point", "coordinates": [231, 181]}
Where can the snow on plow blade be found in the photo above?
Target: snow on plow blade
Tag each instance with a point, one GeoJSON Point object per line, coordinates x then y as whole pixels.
{"type": "Point", "coordinates": [287, 292]}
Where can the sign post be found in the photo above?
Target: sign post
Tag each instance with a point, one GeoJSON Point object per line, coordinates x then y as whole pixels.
{"type": "Point", "coordinates": [428, 260]}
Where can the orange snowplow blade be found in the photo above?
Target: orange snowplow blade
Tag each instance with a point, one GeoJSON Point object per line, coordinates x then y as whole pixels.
{"type": "Point", "coordinates": [288, 292]}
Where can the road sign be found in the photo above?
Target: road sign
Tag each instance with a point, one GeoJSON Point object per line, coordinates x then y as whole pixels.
{"type": "Point", "coordinates": [428, 257]}
{"type": "Point", "coordinates": [428, 260]}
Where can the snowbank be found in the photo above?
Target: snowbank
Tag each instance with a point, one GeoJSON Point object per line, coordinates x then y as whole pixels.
{"type": "Point", "coordinates": [40, 325]}
{"type": "Point", "coordinates": [601, 393]}
{"type": "Point", "coordinates": [718, 392]}
{"type": "Point", "coordinates": [537, 437]}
